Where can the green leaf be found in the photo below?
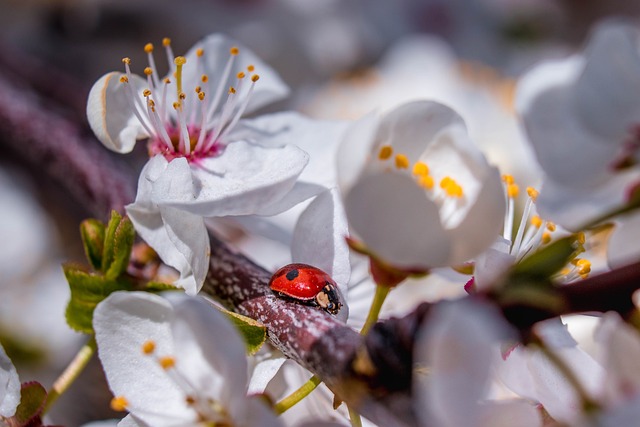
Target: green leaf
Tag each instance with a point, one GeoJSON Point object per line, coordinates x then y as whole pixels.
{"type": "Point", "coordinates": [545, 262]}
{"type": "Point", "coordinates": [32, 399]}
{"type": "Point", "coordinates": [253, 332]}
{"type": "Point", "coordinates": [157, 287]}
{"type": "Point", "coordinates": [87, 291]}
{"type": "Point", "coordinates": [92, 232]}
{"type": "Point", "coordinates": [123, 238]}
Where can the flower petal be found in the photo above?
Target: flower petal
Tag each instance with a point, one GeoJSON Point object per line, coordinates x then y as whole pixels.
{"type": "Point", "coordinates": [110, 113]}
{"type": "Point", "coordinates": [241, 181]}
{"type": "Point", "coordinates": [354, 151]}
{"type": "Point", "coordinates": [509, 413]}
{"type": "Point", "coordinates": [123, 322]}
{"type": "Point", "coordinates": [403, 227]}
{"type": "Point", "coordinates": [623, 245]}
{"type": "Point", "coordinates": [9, 386]}
{"type": "Point", "coordinates": [268, 89]}
{"type": "Point", "coordinates": [263, 373]}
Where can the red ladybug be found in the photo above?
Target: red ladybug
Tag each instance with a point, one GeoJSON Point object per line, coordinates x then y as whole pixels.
{"type": "Point", "coordinates": [307, 285]}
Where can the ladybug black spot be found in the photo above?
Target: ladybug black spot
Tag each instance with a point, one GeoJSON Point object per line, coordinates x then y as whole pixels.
{"type": "Point", "coordinates": [292, 274]}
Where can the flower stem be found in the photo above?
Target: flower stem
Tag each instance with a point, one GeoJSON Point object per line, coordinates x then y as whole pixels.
{"type": "Point", "coordinates": [374, 311]}
{"type": "Point", "coordinates": [354, 417]}
{"type": "Point", "coordinates": [70, 374]}
{"type": "Point", "coordinates": [295, 397]}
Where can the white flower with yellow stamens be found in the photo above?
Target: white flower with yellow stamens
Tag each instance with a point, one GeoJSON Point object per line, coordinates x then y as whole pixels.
{"type": "Point", "coordinates": [417, 192]}
{"type": "Point", "coordinates": [204, 161]}
{"type": "Point", "coordinates": [175, 361]}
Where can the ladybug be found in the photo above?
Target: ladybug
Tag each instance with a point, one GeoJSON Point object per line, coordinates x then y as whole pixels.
{"type": "Point", "coordinates": [307, 285]}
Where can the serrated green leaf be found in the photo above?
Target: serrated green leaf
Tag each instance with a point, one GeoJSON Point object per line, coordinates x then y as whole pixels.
{"type": "Point", "coordinates": [32, 399]}
{"type": "Point", "coordinates": [87, 291]}
{"type": "Point", "coordinates": [122, 243]}
{"type": "Point", "coordinates": [92, 233]}
{"type": "Point", "coordinates": [545, 262]}
{"type": "Point", "coordinates": [109, 240]}
{"type": "Point", "coordinates": [253, 332]}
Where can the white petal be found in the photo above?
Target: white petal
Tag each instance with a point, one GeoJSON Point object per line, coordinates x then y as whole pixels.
{"type": "Point", "coordinates": [123, 323]}
{"type": "Point", "coordinates": [9, 386]}
{"type": "Point", "coordinates": [567, 152]}
{"type": "Point", "coordinates": [623, 245]}
{"type": "Point", "coordinates": [319, 240]}
{"type": "Point", "coordinates": [268, 89]}
{"type": "Point", "coordinates": [110, 114]}
{"type": "Point", "coordinates": [395, 219]}
{"type": "Point", "coordinates": [263, 373]}
{"type": "Point", "coordinates": [241, 181]}
{"type": "Point", "coordinates": [209, 350]}
{"type": "Point", "coordinates": [300, 192]}
{"type": "Point", "coordinates": [457, 347]}
{"type": "Point", "coordinates": [509, 413]}
{"type": "Point", "coordinates": [607, 94]}
{"type": "Point", "coordinates": [256, 414]}
{"type": "Point", "coordinates": [355, 149]}
{"type": "Point", "coordinates": [492, 263]}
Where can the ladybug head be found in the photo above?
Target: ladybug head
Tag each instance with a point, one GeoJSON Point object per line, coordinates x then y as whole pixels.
{"type": "Point", "coordinates": [328, 299]}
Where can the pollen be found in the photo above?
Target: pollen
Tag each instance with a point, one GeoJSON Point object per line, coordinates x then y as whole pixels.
{"type": "Point", "coordinates": [425, 181]}
{"type": "Point", "coordinates": [201, 96]}
{"type": "Point", "coordinates": [148, 347]}
{"type": "Point", "coordinates": [166, 41]}
{"type": "Point", "coordinates": [198, 89]}
{"type": "Point", "coordinates": [420, 169]}
{"type": "Point", "coordinates": [250, 68]}
{"type": "Point", "coordinates": [204, 78]}
{"type": "Point", "coordinates": [148, 71]}
{"type": "Point", "coordinates": [167, 80]}
{"type": "Point", "coordinates": [385, 152]}
{"type": "Point", "coordinates": [551, 226]}
{"type": "Point", "coordinates": [536, 221]}
{"type": "Point", "coordinates": [126, 60]}
{"type": "Point", "coordinates": [240, 75]}
{"type": "Point", "coordinates": [182, 96]}
{"type": "Point", "coordinates": [451, 187]}
{"type": "Point", "coordinates": [146, 93]}
{"type": "Point", "coordinates": [508, 179]}
{"type": "Point", "coordinates": [124, 79]}
{"type": "Point", "coordinates": [255, 78]}
{"type": "Point", "coordinates": [148, 48]}
{"type": "Point", "coordinates": [546, 238]}
{"type": "Point", "coordinates": [180, 60]}
{"type": "Point", "coordinates": [402, 161]}
{"type": "Point", "coordinates": [119, 404]}
{"type": "Point", "coordinates": [232, 90]}
{"type": "Point", "coordinates": [513, 190]}
{"type": "Point", "coordinates": [533, 193]}
{"type": "Point", "coordinates": [167, 362]}
{"type": "Point", "coordinates": [199, 52]}
{"type": "Point", "coordinates": [584, 266]}
{"type": "Point", "coordinates": [234, 50]}
{"type": "Point", "coordinates": [176, 105]}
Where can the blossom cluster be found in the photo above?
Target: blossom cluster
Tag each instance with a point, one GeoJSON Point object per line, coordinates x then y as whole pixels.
{"type": "Point", "coordinates": [413, 196]}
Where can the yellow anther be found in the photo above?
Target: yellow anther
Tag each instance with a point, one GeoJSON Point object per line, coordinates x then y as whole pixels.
{"type": "Point", "coordinates": [182, 96]}
{"type": "Point", "coordinates": [240, 75]}
{"type": "Point", "coordinates": [581, 238]}
{"type": "Point", "coordinates": [190, 400]}
{"type": "Point", "coordinates": [445, 182]}
{"type": "Point", "coordinates": [150, 103]}
{"type": "Point", "coordinates": [167, 80]}
{"type": "Point", "coordinates": [176, 105]}
{"type": "Point", "coordinates": [124, 79]}
{"type": "Point", "coordinates": [536, 221]}
{"type": "Point", "coordinates": [199, 51]}
{"type": "Point", "coordinates": [148, 347]}
{"type": "Point", "coordinates": [402, 161]}
{"type": "Point", "coordinates": [451, 187]}
{"type": "Point", "coordinates": [250, 68]}
{"type": "Point", "coordinates": [167, 362]}
{"type": "Point", "coordinates": [584, 266]}
{"type": "Point", "coordinates": [126, 60]}
{"type": "Point", "coordinates": [148, 47]}
{"type": "Point", "coordinates": [232, 90]}
{"type": "Point", "coordinates": [425, 181]}
{"type": "Point", "coordinates": [146, 93]}
{"type": "Point", "coordinates": [148, 71]}
{"type": "Point", "coordinates": [198, 89]}
{"type": "Point", "coordinates": [119, 404]}
{"type": "Point", "coordinates": [385, 152]}
{"type": "Point", "coordinates": [533, 193]}
{"type": "Point", "coordinates": [508, 179]}
{"type": "Point", "coordinates": [513, 190]}
{"type": "Point", "coordinates": [234, 50]}
{"type": "Point", "coordinates": [255, 78]}
{"type": "Point", "coordinates": [166, 41]}
{"type": "Point", "coordinates": [546, 238]}
{"type": "Point", "coordinates": [180, 60]}
{"type": "Point", "coordinates": [204, 78]}
{"type": "Point", "coordinates": [420, 169]}
{"type": "Point", "coordinates": [201, 96]}
{"type": "Point", "coordinates": [551, 226]}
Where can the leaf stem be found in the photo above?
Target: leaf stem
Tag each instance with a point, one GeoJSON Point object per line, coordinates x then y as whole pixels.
{"type": "Point", "coordinates": [374, 311]}
{"type": "Point", "coordinates": [295, 397]}
{"type": "Point", "coordinates": [70, 374]}
{"type": "Point", "coordinates": [354, 417]}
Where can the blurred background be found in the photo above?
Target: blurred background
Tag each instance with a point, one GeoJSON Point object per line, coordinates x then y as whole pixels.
{"type": "Point", "coordinates": [342, 58]}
